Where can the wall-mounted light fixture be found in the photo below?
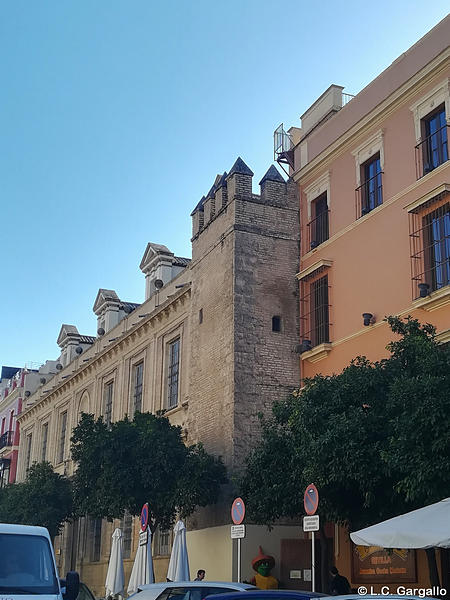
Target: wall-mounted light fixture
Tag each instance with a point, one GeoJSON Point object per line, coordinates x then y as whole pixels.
{"type": "Point", "coordinates": [368, 319]}
{"type": "Point", "coordinates": [424, 290]}
{"type": "Point", "coordinates": [303, 347]}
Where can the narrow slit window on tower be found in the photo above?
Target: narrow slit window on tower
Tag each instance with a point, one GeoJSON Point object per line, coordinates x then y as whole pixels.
{"type": "Point", "coordinates": [276, 323]}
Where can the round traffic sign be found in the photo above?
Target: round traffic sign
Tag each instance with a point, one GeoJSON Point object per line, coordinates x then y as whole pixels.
{"type": "Point", "coordinates": [311, 499]}
{"type": "Point", "coordinates": [144, 517]}
{"type": "Point", "coordinates": [238, 511]}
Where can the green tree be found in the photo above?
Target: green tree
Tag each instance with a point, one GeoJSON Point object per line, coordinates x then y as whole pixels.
{"type": "Point", "coordinates": [375, 439]}
{"type": "Point", "coordinates": [141, 460]}
{"type": "Point", "coordinates": [45, 498]}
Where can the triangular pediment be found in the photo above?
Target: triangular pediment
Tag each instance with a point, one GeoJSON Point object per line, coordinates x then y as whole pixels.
{"type": "Point", "coordinates": [152, 253]}
{"type": "Point", "coordinates": [104, 296]}
{"type": "Point", "coordinates": [66, 332]}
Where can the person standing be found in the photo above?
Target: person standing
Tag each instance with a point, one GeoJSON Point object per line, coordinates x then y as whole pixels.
{"type": "Point", "coordinates": [200, 575]}
{"type": "Point", "coordinates": [339, 585]}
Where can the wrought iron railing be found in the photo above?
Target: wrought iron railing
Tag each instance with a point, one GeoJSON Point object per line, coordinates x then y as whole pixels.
{"type": "Point", "coordinates": [317, 231]}
{"type": "Point", "coordinates": [7, 439]}
{"type": "Point", "coordinates": [430, 250]}
{"type": "Point", "coordinates": [432, 151]}
{"type": "Point", "coordinates": [369, 195]}
{"type": "Point", "coordinates": [315, 313]}
{"type": "Point", "coordinates": [283, 147]}
{"type": "Point", "coordinates": [346, 98]}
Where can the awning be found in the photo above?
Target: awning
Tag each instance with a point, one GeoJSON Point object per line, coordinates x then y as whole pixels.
{"type": "Point", "coordinates": [427, 527]}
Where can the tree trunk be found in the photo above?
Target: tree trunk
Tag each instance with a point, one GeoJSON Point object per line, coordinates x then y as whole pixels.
{"type": "Point", "coordinates": [432, 567]}
{"type": "Point", "coordinates": [324, 566]}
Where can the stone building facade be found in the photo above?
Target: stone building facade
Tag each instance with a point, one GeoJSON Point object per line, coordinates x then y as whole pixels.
{"type": "Point", "coordinates": [213, 345]}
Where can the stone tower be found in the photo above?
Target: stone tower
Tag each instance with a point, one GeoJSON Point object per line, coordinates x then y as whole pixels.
{"type": "Point", "coordinates": [244, 320]}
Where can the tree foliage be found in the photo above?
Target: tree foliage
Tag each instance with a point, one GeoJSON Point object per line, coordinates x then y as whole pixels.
{"type": "Point", "coordinates": [375, 439]}
{"type": "Point", "coordinates": [141, 460]}
{"type": "Point", "coordinates": [45, 498]}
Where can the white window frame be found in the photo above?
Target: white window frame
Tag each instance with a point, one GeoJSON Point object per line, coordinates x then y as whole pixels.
{"type": "Point", "coordinates": [316, 189]}
{"type": "Point", "coordinates": [428, 102]}
{"type": "Point", "coordinates": [364, 152]}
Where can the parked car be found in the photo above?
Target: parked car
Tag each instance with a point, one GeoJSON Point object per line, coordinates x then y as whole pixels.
{"type": "Point", "coordinates": [370, 596]}
{"type": "Point", "coordinates": [188, 590]}
{"type": "Point", "coordinates": [85, 593]}
{"type": "Point", "coordinates": [28, 566]}
{"type": "Point", "coordinates": [258, 594]}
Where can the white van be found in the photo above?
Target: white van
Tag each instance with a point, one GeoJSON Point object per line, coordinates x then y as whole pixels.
{"type": "Point", "coordinates": [28, 567]}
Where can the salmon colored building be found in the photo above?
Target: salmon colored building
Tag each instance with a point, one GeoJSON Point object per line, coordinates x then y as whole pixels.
{"type": "Point", "coordinates": [373, 173]}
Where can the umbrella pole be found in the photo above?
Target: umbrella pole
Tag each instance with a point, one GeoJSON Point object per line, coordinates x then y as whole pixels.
{"type": "Point", "coordinates": [432, 567]}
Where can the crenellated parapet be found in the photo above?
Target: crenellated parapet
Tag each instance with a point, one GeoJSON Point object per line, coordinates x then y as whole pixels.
{"type": "Point", "coordinates": [236, 185]}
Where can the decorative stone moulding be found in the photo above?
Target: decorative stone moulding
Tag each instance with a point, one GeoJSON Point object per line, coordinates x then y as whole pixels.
{"type": "Point", "coordinates": [317, 353]}
{"type": "Point", "coordinates": [435, 300]}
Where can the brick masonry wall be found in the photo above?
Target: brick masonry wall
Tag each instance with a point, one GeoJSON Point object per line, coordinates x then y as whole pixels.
{"type": "Point", "coordinates": [243, 273]}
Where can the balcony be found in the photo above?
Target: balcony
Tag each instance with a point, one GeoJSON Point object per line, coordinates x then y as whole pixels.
{"type": "Point", "coordinates": [317, 231]}
{"type": "Point", "coordinates": [7, 439]}
{"type": "Point", "coordinates": [369, 195]}
{"type": "Point", "coordinates": [432, 152]}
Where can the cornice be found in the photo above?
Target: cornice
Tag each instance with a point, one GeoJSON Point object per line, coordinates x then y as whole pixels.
{"type": "Point", "coordinates": [358, 131]}
{"type": "Point", "coordinates": [142, 327]}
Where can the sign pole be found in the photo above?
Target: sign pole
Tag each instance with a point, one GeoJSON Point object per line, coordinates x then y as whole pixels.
{"type": "Point", "coordinates": [238, 531]}
{"type": "Point", "coordinates": [239, 560]}
{"type": "Point", "coordinates": [311, 523]}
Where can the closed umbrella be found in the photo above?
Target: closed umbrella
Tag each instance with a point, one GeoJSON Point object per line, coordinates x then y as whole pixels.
{"type": "Point", "coordinates": [179, 562]}
{"type": "Point", "coordinates": [142, 571]}
{"type": "Point", "coordinates": [115, 579]}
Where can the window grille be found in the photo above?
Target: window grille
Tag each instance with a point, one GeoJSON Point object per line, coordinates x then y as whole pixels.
{"type": "Point", "coordinates": [44, 441]}
{"type": "Point", "coordinates": [28, 455]}
{"type": "Point", "coordinates": [62, 438]}
{"type": "Point", "coordinates": [138, 374]}
{"type": "Point", "coordinates": [314, 303]}
{"type": "Point", "coordinates": [163, 542]}
{"type": "Point", "coordinates": [127, 530]}
{"type": "Point", "coordinates": [173, 373]}
{"type": "Point", "coordinates": [430, 245]}
{"type": "Point", "coordinates": [432, 151]}
{"type": "Point", "coordinates": [317, 230]}
{"type": "Point", "coordinates": [108, 401]}
{"type": "Point", "coordinates": [369, 194]}
{"type": "Point", "coordinates": [95, 535]}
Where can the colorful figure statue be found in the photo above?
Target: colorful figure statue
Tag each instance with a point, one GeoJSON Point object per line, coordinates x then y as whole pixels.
{"type": "Point", "coordinates": [263, 564]}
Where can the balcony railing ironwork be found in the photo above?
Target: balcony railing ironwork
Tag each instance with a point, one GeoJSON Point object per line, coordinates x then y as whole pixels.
{"type": "Point", "coordinates": [369, 195]}
{"type": "Point", "coordinates": [7, 439]}
{"type": "Point", "coordinates": [432, 151]}
{"type": "Point", "coordinates": [315, 313]}
{"type": "Point", "coordinates": [317, 231]}
{"type": "Point", "coordinates": [283, 147]}
{"type": "Point", "coordinates": [430, 250]}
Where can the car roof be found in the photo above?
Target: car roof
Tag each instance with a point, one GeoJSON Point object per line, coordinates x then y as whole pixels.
{"type": "Point", "coordinates": [257, 593]}
{"type": "Point", "coordinates": [384, 596]}
{"type": "Point", "coordinates": [24, 530]}
{"type": "Point", "coordinates": [169, 584]}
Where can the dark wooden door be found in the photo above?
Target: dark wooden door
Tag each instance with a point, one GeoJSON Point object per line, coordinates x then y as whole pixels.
{"type": "Point", "coordinates": [296, 564]}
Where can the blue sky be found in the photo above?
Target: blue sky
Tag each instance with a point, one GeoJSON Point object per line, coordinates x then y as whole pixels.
{"type": "Point", "coordinates": [115, 118]}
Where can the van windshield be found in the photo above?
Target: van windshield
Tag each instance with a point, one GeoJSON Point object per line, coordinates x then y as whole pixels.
{"type": "Point", "coordinates": [26, 565]}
